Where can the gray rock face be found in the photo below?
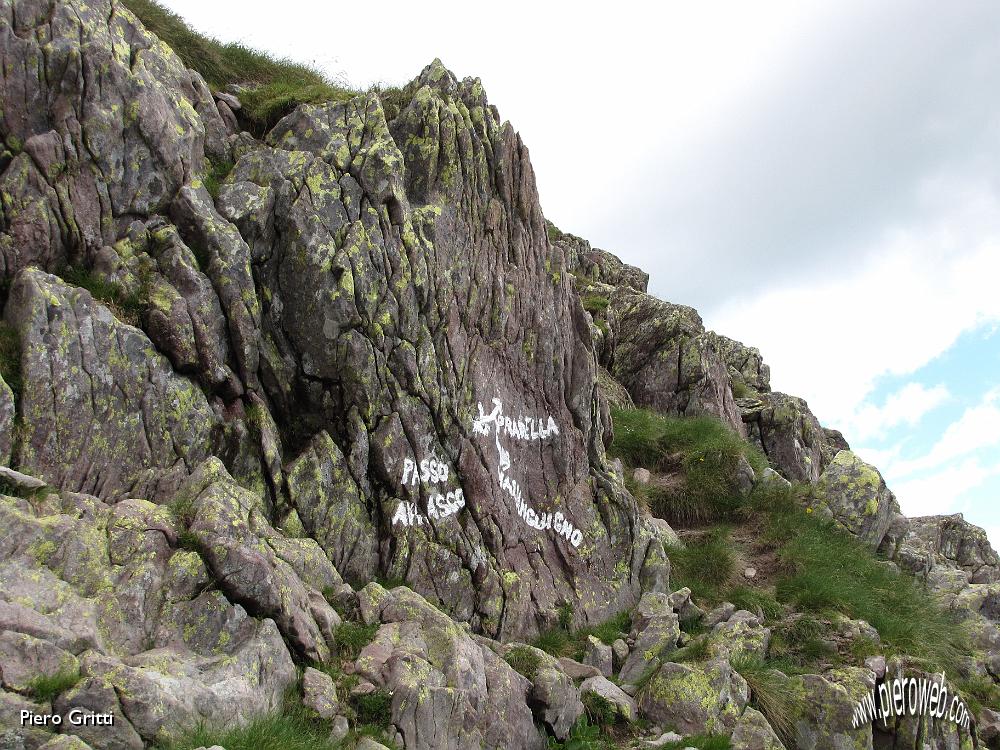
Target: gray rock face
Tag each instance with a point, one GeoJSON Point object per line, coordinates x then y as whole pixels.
{"type": "Point", "coordinates": [104, 589]}
{"type": "Point", "coordinates": [754, 733]}
{"type": "Point", "coordinates": [103, 412]}
{"type": "Point", "coordinates": [655, 629]}
{"type": "Point", "coordinates": [447, 688]}
{"type": "Point", "coordinates": [271, 575]}
{"type": "Point", "coordinates": [93, 148]}
{"type": "Point", "coordinates": [6, 422]}
{"type": "Point", "coordinates": [788, 433]}
{"type": "Point", "coordinates": [857, 497]}
{"type": "Point", "coordinates": [378, 330]}
{"type": "Point", "coordinates": [696, 699]}
{"type": "Point", "coordinates": [945, 542]}
{"type": "Point", "coordinates": [598, 265]}
{"type": "Point", "coordinates": [668, 361]}
{"type": "Point", "coordinates": [331, 506]}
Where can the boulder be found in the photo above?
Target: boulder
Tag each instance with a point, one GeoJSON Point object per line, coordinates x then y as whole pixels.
{"type": "Point", "coordinates": [623, 704]}
{"type": "Point", "coordinates": [104, 413]}
{"type": "Point", "coordinates": [828, 710]}
{"type": "Point", "coordinates": [696, 699]}
{"type": "Point", "coordinates": [754, 733]}
{"type": "Point", "coordinates": [6, 422]}
{"type": "Point", "coordinates": [655, 629]}
{"type": "Point", "coordinates": [447, 687]}
{"type": "Point", "coordinates": [599, 655]}
{"type": "Point", "coordinates": [857, 497]}
{"type": "Point", "coordinates": [743, 635]}
{"type": "Point", "coordinates": [787, 432]}
{"type": "Point", "coordinates": [319, 694]}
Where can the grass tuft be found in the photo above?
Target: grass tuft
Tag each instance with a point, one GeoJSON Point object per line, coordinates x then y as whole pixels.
{"type": "Point", "coordinates": [702, 450]}
{"type": "Point", "coordinates": [48, 687]}
{"type": "Point", "coordinates": [289, 729]}
{"type": "Point", "coordinates": [126, 306]}
{"type": "Point", "coordinates": [563, 640]}
{"type": "Point", "coordinates": [373, 709]}
{"type": "Point", "coordinates": [274, 87]}
{"type": "Point", "coordinates": [217, 172]}
{"type": "Point", "coordinates": [600, 711]}
{"type": "Point", "coordinates": [774, 694]}
{"type": "Point", "coordinates": [351, 637]}
{"type": "Point", "coordinates": [524, 661]}
{"type": "Point", "coordinates": [706, 564]}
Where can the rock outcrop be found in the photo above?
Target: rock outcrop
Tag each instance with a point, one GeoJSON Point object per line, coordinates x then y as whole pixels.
{"type": "Point", "coordinates": [249, 379]}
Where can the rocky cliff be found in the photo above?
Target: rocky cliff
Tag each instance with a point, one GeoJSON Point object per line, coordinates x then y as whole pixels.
{"type": "Point", "coordinates": [329, 407]}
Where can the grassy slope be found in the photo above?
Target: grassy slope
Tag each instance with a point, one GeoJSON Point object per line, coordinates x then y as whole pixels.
{"type": "Point", "coordinates": [822, 570]}
{"type": "Point", "coordinates": [274, 87]}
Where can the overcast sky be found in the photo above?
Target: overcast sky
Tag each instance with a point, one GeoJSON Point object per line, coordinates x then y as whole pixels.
{"type": "Point", "coordinates": [819, 179]}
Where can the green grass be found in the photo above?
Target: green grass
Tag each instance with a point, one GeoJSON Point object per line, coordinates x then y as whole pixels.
{"type": "Point", "coordinates": [373, 709]}
{"type": "Point", "coordinates": [290, 729]}
{"type": "Point", "coordinates": [773, 694]}
{"type": "Point", "coordinates": [701, 742]}
{"type": "Point", "coordinates": [274, 86]}
{"type": "Point", "coordinates": [701, 449]}
{"type": "Point", "coordinates": [706, 564]}
{"type": "Point", "coordinates": [563, 640]}
{"type": "Point", "coordinates": [582, 736]}
{"type": "Point", "coordinates": [126, 306]}
{"type": "Point", "coordinates": [47, 687]}
{"type": "Point", "coordinates": [696, 650]}
{"type": "Point", "coordinates": [216, 174]}
{"type": "Point", "coordinates": [802, 644]}
{"type": "Point", "coordinates": [754, 600]}
{"type": "Point", "coordinates": [978, 693]}
{"type": "Point", "coordinates": [600, 711]}
{"type": "Point", "coordinates": [351, 637]}
{"type": "Point", "coordinates": [188, 540]}
{"type": "Point", "coordinates": [10, 359]}
{"type": "Point", "coordinates": [594, 303]}
{"type": "Point", "coordinates": [828, 570]}
{"type": "Point", "coordinates": [524, 661]}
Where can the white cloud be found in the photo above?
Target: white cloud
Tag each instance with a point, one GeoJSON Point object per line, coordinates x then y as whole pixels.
{"type": "Point", "coordinates": [828, 339]}
{"type": "Point", "coordinates": [939, 493]}
{"type": "Point", "coordinates": [908, 405]}
{"type": "Point", "coordinates": [976, 429]}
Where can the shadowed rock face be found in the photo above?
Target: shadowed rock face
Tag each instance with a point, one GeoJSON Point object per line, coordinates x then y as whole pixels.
{"type": "Point", "coordinates": [368, 326]}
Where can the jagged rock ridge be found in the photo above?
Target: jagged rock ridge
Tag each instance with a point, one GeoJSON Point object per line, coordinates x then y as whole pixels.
{"type": "Point", "coordinates": [361, 357]}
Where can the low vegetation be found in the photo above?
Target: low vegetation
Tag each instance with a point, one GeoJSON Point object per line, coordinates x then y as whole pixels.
{"type": "Point", "coordinates": [524, 660]}
{"type": "Point", "coordinates": [700, 454]}
{"type": "Point", "coordinates": [125, 305]}
{"type": "Point", "coordinates": [706, 563]}
{"type": "Point", "coordinates": [822, 571]}
{"type": "Point", "coordinates": [47, 687]}
{"type": "Point", "coordinates": [774, 694]}
{"type": "Point", "coordinates": [564, 640]}
{"type": "Point", "coordinates": [351, 637]}
{"type": "Point", "coordinates": [273, 87]}
{"type": "Point", "coordinates": [292, 728]}
{"type": "Point", "coordinates": [828, 570]}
